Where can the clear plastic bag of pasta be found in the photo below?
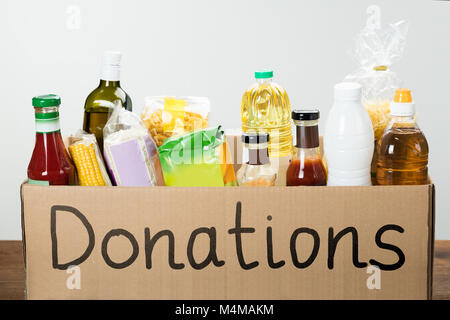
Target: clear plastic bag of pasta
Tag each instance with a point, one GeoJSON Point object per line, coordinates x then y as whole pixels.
{"type": "Point", "coordinates": [165, 117]}
{"type": "Point", "coordinates": [376, 48]}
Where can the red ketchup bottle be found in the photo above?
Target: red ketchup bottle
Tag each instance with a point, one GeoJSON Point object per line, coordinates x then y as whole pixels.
{"type": "Point", "coordinates": [50, 163]}
{"type": "Point", "coordinates": [306, 167]}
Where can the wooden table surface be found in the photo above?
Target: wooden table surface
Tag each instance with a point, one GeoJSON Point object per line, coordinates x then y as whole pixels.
{"type": "Point", "coordinates": [12, 273]}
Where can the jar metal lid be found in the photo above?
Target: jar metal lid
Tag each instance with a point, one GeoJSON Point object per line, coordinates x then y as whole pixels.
{"type": "Point", "coordinates": [305, 115]}
{"type": "Point", "coordinates": [254, 138]}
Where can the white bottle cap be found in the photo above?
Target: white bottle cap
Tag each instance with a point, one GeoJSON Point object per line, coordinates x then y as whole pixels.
{"type": "Point", "coordinates": [347, 91]}
{"type": "Point", "coordinates": [403, 109]}
{"type": "Point", "coordinates": [110, 66]}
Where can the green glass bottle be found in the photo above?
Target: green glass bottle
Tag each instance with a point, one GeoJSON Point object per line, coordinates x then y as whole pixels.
{"type": "Point", "coordinates": [100, 102]}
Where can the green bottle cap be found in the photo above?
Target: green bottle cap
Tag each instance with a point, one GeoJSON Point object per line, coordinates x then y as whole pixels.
{"type": "Point", "coordinates": [263, 74]}
{"type": "Point", "coordinates": [47, 100]}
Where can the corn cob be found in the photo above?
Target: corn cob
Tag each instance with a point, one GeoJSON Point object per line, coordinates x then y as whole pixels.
{"type": "Point", "coordinates": [89, 172]}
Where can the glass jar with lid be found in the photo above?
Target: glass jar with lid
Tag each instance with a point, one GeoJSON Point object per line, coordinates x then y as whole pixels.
{"type": "Point", "coordinates": [256, 169]}
{"type": "Point", "coordinates": [306, 167]}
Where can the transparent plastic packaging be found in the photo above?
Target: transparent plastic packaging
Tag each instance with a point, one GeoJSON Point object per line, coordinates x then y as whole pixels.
{"type": "Point", "coordinates": [375, 50]}
{"type": "Point", "coordinates": [130, 152]}
{"type": "Point", "coordinates": [165, 117]}
{"type": "Point", "coordinates": [197, 159]}
{"type": "Point", "coordinates": [88, 160]}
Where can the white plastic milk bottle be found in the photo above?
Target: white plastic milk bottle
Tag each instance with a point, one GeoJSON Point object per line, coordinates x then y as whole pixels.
{"type": "Point", "coordinates": [349, 139]}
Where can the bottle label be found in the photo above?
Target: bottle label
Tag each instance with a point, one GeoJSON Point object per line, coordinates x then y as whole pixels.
{"type": "Point", "coordinates": [39, 182]}
{"type": "Point", "coordinates": [47, 122]}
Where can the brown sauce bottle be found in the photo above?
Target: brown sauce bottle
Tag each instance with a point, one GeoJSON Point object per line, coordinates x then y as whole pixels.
{"type": "Point", "coordinates": [306, 167]}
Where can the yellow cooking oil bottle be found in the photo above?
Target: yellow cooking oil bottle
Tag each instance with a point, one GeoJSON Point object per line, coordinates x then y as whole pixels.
{"type": "Point", "coordinates": [266, 108]}
{"type": "Point", "coordinates": [403, 148]}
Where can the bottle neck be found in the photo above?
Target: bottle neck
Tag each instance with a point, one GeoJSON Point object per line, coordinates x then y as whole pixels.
{"type": "Point", "coordinates": [257, 154]}
{"type": "Point", "coordinates": [306, 153]}
{"type": "Point", "coordinates": [264, 81]}
{"type": "Point", "coordinates": [108, 83]}
{"type": "Point", "coordinates": [307, 134]}
{"type": "Point", "coordinates": [47, 120]}
{"type": "Point", "coordinates": [407, 118]}
{"type": "Point", "coordinates": [407, 121]}
{"type": "Point", "coordinates": [347, 102]}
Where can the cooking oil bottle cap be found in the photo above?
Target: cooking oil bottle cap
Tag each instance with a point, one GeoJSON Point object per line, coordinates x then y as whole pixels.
{"type": "Point", "coordinates": [403, 104]}
{"type": "Point", "coordinates": [347, 91]}
{"type": "Point", "coordinates": [264, 74]}
{"type": "Point", "coordinates": [403, 95]}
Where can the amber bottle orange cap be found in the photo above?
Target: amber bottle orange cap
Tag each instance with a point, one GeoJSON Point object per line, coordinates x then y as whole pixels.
{"type": "Point", "coordinates": [403, 104]}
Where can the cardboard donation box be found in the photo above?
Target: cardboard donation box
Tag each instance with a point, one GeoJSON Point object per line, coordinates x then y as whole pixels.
{"type": "Point", "coordinates": [228, 243]}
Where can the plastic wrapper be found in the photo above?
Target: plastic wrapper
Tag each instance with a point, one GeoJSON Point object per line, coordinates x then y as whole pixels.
{"type": "Point", "coordinates": [130, 153]}
{"type": "Point", "coordinates": [198, 159]}
{"type": "Point", "coordinates": [88, 160]}
{"type": "Point", "coordinates": [375, 50]}
{"type": "Point", "coordinates": [165, 117]}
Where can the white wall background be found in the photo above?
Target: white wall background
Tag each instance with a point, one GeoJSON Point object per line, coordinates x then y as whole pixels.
{"type": "Point", "coordinates": [207, 48]}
